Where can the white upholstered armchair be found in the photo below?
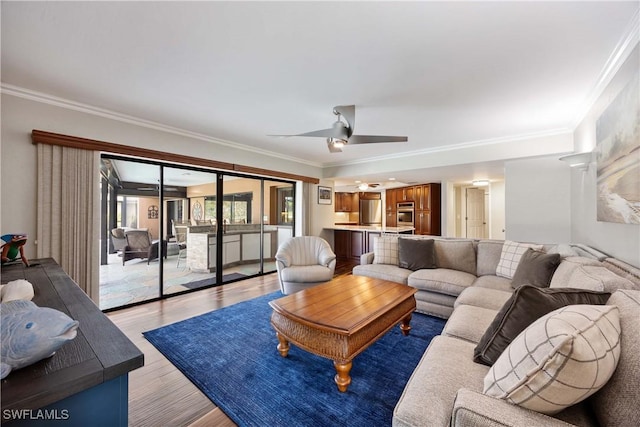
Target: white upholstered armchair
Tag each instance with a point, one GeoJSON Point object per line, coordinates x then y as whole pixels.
{"type": "Point", "coordinates": [303, 262]}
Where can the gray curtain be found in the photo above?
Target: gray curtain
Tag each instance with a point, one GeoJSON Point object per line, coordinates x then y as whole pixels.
{"type": "Point", "coordinates": [68, 228]}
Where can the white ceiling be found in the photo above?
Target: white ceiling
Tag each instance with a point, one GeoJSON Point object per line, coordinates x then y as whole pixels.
{"type": "Point", "coordinates": [441, 73]}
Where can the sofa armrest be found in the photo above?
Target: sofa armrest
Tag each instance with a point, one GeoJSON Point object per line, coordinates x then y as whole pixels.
{"type": "Point", "coordinates": [473, 409]}
{"type": "Point", "coordinates": [366, 258]}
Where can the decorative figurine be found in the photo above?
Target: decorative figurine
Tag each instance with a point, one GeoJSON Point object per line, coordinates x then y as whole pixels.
{"type": "Point", "coordinates": [15, 290]}
{"type": "Point", "coordinates": [31, 333]}
{"type": "Point", "coordinates": [13, 247]}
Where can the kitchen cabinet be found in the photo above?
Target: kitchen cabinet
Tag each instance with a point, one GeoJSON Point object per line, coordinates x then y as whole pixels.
{"type": "Point", "coordinates": [391, 200]}
{"type": "Point", "coordinates": [371, 195]}
{"type": "Point", "coordinates": [426, 199]}
{"type": "Point", "coordinates": [349, 244]}
{"type": "Point", "coordinates": [346, 202]}
{"type": "Point", "coordinates": [427, 209]}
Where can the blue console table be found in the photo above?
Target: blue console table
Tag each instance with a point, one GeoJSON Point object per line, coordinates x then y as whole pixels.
{"type": "Point", "coordinates": [86, 381]}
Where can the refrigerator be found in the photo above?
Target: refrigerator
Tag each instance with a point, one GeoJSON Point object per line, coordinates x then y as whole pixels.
{"type": "Point", "coordinates": [370, 212]}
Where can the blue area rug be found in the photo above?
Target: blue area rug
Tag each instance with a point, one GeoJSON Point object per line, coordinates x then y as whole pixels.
{"type": "Point", "coordinates": [230, 355]}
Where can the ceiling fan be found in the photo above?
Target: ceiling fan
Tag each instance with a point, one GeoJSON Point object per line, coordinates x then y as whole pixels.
{"type": "Point", "coordinates": [341, 133]}
{"type": "Point", "coordinates": [362, 186]}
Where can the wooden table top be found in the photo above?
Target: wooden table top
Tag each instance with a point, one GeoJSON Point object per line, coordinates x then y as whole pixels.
{"type": "Point", "coordinates": [344, 305]}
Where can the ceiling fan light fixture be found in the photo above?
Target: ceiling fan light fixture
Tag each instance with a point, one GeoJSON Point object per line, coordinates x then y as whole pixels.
{"type": "Point", "coordinates": [337, 142]}
{"type": "Point", "coordinates": [363, 186]}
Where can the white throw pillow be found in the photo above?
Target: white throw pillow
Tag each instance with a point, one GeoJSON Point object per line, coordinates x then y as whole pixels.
{"type": "Point", "coordinates": [559, 360]}
{"type": "Point", "coordinates": [385, 250]}
{"type": "Point", "coordinates": [510, 257]}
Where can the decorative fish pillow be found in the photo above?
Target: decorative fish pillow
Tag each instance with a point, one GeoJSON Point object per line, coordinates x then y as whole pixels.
{"type": "Point", "coordinates": [31, 333]}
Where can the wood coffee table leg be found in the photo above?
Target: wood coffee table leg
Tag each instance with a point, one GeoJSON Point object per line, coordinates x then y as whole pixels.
{"type": "Point", "coordinates": [283, 346]}
{"type": "Point", "coordinates": [342, 377]}
{"type": "Point", "coordinates": [405, 325]}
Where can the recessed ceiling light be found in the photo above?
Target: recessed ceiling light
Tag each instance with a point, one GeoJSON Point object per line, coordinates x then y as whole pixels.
{"type": "Point", "coordinates": [480, 182]}
{"type": "Point", "coordinates": [392, 179]}
{"type": "Point", "coordinates": [358, 182]}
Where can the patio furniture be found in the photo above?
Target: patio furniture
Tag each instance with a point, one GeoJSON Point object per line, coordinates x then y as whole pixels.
{"type": "Point", "coordinates": [138, 245]}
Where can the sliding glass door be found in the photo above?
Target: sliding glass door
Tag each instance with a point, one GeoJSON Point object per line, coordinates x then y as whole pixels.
{"type": "Point", "coordinates": [205, 228]}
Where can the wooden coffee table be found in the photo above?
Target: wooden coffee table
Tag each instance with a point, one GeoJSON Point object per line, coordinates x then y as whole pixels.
{"type": "Point", "coordinates": [340, 319]}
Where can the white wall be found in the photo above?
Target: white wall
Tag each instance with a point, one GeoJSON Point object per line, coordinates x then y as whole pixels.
{"type": "Point", "coordinates": [537, 200]}
{"type": "Point", "coordinates": [18, 155]}
{"type": "Point", "coordinates": [497, 218]}
{"type": "Point", "coordinates": [619, 240]}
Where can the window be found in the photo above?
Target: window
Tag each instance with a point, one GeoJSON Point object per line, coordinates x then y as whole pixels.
{"type": "Point", "coordinates": [236, 208]}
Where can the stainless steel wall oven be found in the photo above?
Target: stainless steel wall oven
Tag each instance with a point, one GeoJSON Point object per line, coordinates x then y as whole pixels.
{"type": "Point", "coordinates": [405, 212]}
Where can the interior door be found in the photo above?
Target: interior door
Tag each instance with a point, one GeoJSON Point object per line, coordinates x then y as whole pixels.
{"type": "Point", "coordinates": [475, 213]}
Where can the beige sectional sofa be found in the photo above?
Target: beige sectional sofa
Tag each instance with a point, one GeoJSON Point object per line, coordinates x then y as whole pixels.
{"type": "Point", "coordinates": [446, 387]}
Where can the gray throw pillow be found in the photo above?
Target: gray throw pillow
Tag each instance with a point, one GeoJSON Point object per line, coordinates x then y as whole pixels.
{"type": "Point", "coordinates": [535, 268]}
{"type": "Point", "coordinates": [416, 254]}
{"type": "Point", "coordinates": [527, 304]}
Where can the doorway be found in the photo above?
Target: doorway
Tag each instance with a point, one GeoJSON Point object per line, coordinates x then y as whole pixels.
{"type": "Point", "coordinates": [476, 223]}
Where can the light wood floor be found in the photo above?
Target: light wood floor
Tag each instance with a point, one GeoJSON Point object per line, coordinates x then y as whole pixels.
{"type": "Point", "coordinates": [159, 394]}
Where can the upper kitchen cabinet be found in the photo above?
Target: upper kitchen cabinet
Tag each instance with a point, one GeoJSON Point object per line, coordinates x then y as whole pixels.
{"type": "Point", "coordinates": [346, 202]}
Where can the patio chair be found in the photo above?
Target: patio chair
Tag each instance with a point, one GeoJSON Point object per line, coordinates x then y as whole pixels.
{"type": "Point", "coordinates": [138, 245]}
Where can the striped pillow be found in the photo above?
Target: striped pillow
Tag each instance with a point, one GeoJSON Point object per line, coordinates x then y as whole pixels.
{"type": "Point", "coordinates": [510, 257]}
{"type": "Point", "coordinates": [385, 250]}
{"type": "Point", "coordinates": [559, 360]}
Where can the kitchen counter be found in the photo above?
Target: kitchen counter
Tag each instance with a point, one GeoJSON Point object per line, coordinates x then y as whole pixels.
{"type": "Point", "coordinates": [351, 241]}
{"type": "Point", "coordinates": [239, 245]}
{"type": "Point", "coordinates": [372, 228]}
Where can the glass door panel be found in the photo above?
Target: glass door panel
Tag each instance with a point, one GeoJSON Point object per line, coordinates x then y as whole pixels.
{"type": "Point", "coordinates": [189, 221]}
{"type": "Point", "coordinates": [132, 244]}
{"type": "Point", "coordinates": [279, 215]}
{"type": "Point", "coordinates": [241, 231]}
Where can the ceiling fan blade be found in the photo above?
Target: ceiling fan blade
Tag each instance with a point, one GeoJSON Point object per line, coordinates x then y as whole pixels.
{"type": "Point", "coordinates": [349, 114]}
{"type": "Point", "coordinates": [367, 139]}
{"type": "Point", "coordinates": [339, 132]}
{"type": "Point", "coordinates": [333, 148]}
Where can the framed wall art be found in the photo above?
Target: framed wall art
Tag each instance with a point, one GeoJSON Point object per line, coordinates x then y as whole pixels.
{"type": "Point", "coordinates": [618, 157]}
{"type": "Point", "coordinates": [324, 195]}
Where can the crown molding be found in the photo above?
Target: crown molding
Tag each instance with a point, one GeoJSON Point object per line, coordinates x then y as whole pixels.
{"type": "Point", "coordinates": [44, 98]}
{"type": "Point", "coordinates": [621, 52]}
{"type": "Point", "coordinates": [460, 146]}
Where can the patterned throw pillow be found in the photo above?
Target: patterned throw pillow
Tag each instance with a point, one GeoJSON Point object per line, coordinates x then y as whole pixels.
{"type": "Point", "coordinates": [510, 257]}
{"type": "Point", "coordinates": [559, 360]}
{"type": "Point", "coordinates": [385, 250]}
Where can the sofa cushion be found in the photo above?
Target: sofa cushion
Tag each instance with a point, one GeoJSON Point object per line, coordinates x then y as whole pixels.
{"type": "Point", "coordinates": [492, 299]}
{"type": "Point", "coordinates": [385, 250]}
{"type": "Point", "coordinates": [559, 360]}
{"type": "Point", "coordinates": [456, 255]}
{"type": "Point", "coordinates": [510, 257]}
{"type": "Point", "coordinates": [527, 304]}
{"type": "Point", "coordinates": [469, 323]}
{"type": "Point", "coordinates": [493, 282]}
{"type": "Point", "coordinates": [392, 273]}
{"type": "Point", "coordinates": [416, 254]}
{"type": "Point", "coordinates": [428, 397]}
{"type": "Point", "coordinates": [535, 268]}
{"type": "Point", "coordinates": [564, 271]}
{"type": "Point", "coordinates": [597, 278]}
{"type": "Point", "coordinates": [563, 250]}
{"type": "Point", "coordinates": [488, 256]}
{"type": "Point", "coordinates": [441, 280]}
{"type": "Point", "coordinates": [616, 404]}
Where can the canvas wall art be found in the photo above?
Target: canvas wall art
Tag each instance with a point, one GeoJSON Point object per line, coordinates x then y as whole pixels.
{"type": "Point", "coordinates": [618, 157]}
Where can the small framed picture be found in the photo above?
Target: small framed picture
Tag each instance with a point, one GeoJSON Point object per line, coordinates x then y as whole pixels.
{"type": "Point", "coordinates": [324, 195]}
